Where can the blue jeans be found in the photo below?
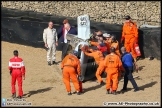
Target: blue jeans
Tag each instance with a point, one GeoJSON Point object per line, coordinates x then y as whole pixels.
{"type": "Point", "coordinates": [128, 76]}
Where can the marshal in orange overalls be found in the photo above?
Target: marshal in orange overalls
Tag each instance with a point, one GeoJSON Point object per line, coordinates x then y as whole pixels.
{"type": "Point", "coordinates": [112, 64]}
{"type": "Point", "coordinates": [130, 34]}
{"type": "Point", "coordinates": [116, 46]}
{"type": "Point", "coordinates": [99, 59]}
{"type": "Point", "coordinates": [71, 68]}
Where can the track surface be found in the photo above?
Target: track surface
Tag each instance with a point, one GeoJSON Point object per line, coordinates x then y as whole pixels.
{"type": "Point", "coordinates": [43, 85]}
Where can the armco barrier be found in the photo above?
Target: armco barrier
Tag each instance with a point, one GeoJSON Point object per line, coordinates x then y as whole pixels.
{"type": "Point", "coordinates": [27, 29]}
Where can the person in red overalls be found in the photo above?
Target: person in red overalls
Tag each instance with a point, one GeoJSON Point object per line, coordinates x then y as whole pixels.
{"type": "Point", "coordinates": [17, 71]}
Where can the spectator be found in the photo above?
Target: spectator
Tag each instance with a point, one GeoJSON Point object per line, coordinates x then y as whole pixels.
{"type": "Point", "coordinates": [69, 30]}
{"type": "Point", "coordinates": [51, 41]}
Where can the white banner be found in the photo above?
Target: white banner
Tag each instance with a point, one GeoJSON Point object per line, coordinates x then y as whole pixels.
{"type": "Point", "coordinates": [83, 22]}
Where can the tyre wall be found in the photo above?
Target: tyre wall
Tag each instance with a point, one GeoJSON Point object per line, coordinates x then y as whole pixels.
{"type": "Point", "coordinates": [26, 27]}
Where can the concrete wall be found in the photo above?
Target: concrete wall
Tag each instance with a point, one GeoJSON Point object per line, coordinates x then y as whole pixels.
{"type": "Point", "coordinates": [143, 12]}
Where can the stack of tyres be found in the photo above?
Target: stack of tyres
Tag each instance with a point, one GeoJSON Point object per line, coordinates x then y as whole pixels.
{"type": "Point", "coordinates": [39, 15]}
{"type": "Point", "coordinates": [20, 13]}
{"type": "Point", "coordinates": [31, 14]}
{"type": "Point", "coordinates": [4, 11]}
{"type": "Point", "coordinates": [12, 12]}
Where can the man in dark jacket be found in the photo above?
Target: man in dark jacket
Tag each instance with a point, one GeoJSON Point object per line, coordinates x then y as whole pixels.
{"type": "Point", "coordinates": [128, 62]}
{"type": "Point", "coordinates": [61, 31]}
{"type": "Point", "coordinates": [65, 29]}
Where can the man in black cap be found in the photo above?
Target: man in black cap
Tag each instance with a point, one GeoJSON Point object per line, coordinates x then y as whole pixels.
{"type": "Point", "coordinates": [127, 17]}
{"type": "Point", "coordinates": [99, 59]}
{"type": "Point", "coordinates": [130, 35]}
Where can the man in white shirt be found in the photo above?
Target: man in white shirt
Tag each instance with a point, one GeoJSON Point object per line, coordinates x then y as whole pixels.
{"type": "Point", "coordinates": [65, 40]}
{"type": "Point", "coordinates": [51, 41]}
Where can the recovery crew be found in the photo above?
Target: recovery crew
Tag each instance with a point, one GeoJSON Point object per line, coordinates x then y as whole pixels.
{"type": "Point", "coordinates": [115, 44]}
{"type": "Point", "coordinates": [99, 59]}
{"type": "Point", "coordinates": [98, 35]}
{"type": "Point", "coordinates": [71, 69]}
{"type": "Point", "coordinates": [101, 44]}
{"type": "Point", "coordinates": [130, 34]}
{"type": "Point", "coordinates": [113, 66]}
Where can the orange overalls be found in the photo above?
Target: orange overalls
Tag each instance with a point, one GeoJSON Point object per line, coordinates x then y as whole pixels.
{"type": "Point", "coordinates": [130, 33]}
{"type": "Point", "coordinates": [112, 64]}
{"type": "Point", "coordinates": [116, 46]}
{"type": "Point", "coordinates": [99, 59]}
{"type": "Point", "coordinates": [71, 68]}
{"type": "Point", "coordinates": [94, 43]}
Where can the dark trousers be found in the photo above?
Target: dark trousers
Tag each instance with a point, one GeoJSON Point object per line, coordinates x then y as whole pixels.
{"type": "Point", "coordinates": [128, 76]}
{"type": "Point", "coordinates": [64, 47]}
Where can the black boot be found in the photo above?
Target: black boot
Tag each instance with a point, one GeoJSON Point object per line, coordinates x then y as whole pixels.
{"type": "Point", "coordinates": [123, 90]}
{"type": "Point", "coordinates": [114, 92]}
{"type": "Point", "coordinates": [19, 97]}
{"type": "Point", "coordinates": [78, 93]}
{"type": "Point", "coordinates": [49, 63]}
{"type": "Point", "coordinates": [14, 95]}
{"type": "Point", "coordinates": [135, 90]}
{"type": "Point", "coordinates": [69, 93]}
{"type": "Point", "coordinates": [53, 62]}
{"type": "Point", "coordinates": [108, 91]}
{"type": "Point", "coordinates": [102, 83]}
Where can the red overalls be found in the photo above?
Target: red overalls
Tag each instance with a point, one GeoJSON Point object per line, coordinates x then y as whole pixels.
{"type": "Point", "coordinates": [17, 67]}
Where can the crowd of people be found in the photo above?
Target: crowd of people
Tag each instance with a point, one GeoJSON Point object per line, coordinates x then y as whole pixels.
{"type": "Point", "coordinates": [105, 52]}
{"type": "Point", "coordinates": [108, 58]}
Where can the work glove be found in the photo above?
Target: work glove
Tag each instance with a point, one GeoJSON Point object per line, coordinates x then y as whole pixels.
{"type": "Point", "coordinates": [89, 42]}
{"type": "Point", "coordinates": [10, 72]}
{"type": "Point", "coordinates": [91, 36]}
{"type": "Point", "coordinates": [80, 78]}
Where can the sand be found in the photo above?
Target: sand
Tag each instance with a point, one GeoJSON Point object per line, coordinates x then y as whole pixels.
{"type": "Point", "coordinates": [43, 85]}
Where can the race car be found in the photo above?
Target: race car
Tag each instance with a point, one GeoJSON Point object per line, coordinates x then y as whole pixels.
{"type": "Point", "coordinates": [88, 65]}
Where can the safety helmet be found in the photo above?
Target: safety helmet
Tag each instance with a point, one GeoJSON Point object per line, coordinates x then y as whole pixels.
{"type": "Point", "coordinates": [75, 52]}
